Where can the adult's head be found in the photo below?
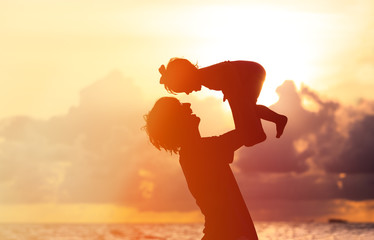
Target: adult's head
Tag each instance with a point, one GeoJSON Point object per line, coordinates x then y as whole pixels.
{"type": "Point", "coordinates": [180, 75]}
{"type": "Point", "coordinates": [170, 124]}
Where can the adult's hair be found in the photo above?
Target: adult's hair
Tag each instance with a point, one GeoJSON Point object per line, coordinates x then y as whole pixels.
{"type": "Point", "coordinates": [163, 124]}
{"type": "Point", "coordinates": [177, 71]}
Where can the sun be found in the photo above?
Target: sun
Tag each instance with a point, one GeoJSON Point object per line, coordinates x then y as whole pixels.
{"type": "Point", "coordinates": [284, 47]}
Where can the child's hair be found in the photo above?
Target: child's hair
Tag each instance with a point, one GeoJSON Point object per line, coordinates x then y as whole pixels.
{"type": "Point", "coordinates": [163, 125]}
{"type": "Point", "coordinates": [178, 71]}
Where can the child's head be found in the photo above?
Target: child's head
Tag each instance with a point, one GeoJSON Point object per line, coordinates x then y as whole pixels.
{"type": "Point", "coordinates": [180, 75]}
{"type": "Point", "coordinates": [169, 123]}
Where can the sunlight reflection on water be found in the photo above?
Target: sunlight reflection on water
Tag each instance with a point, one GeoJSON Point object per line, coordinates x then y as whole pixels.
{"type": "Point", "coordinates": [266, 231]}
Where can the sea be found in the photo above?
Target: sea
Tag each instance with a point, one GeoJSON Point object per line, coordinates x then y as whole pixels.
{"type": "Point", "coordinates": [265, 231]}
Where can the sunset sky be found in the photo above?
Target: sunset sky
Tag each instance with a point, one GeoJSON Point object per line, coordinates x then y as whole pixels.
{"type": "Point", "coordinates": [78, 76]}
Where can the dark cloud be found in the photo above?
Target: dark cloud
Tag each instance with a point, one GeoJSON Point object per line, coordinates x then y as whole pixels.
{"type": "Point", "coordinates": [358, 152]}
{"type": "Point", "coordinates": [306, 187]}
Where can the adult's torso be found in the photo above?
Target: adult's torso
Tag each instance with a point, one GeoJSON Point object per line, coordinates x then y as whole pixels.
{"type": "Point", "coordinates": [213, 185]}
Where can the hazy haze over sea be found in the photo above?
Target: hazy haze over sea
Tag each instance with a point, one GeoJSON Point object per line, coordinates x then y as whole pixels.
{"type": "Point", "coordinates": [266, 231]}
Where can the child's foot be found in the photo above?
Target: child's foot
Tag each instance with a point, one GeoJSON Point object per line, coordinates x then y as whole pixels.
{"type": "Point", "coordinates": [281, 124]}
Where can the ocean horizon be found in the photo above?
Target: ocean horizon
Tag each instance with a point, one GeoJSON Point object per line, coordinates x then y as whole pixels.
{"type": "Point", "coordinates": [182, 231]}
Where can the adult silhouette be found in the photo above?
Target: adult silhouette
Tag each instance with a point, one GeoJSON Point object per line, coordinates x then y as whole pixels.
{"type": "Point", "coordinates": [172, 126]}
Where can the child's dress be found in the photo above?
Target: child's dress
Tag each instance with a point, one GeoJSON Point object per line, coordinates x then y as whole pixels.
{"type": "Point", "coordinates": [241, 83]}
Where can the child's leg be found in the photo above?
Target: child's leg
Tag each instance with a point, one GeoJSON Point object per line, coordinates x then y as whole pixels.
{"type": "Point", "coordinates": [267, 114]}
{"type": "Point", "coordinates": [247, 121]}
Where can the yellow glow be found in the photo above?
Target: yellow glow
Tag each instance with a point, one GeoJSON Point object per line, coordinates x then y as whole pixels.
{"type": "Point", "coordinates": [309, 104]}
{"type": "Point", "coordinates": [89, 213]}
{"type": "Point", "coordinates": [360, 211]}
{"type": "Point", "coordinates": [300, 145]}
{"type": "Point", "coordinates": [353, 211]}
{"type": "Point", "coordinates": [144, 173]}
{"type": "Point", "coordinates": [342, 175]}
{"type": "Point", "coordinates": [287, 52]}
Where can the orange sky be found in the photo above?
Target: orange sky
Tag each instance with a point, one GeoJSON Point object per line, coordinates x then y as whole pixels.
{"type": "Point", "coordinates": [52, 50]}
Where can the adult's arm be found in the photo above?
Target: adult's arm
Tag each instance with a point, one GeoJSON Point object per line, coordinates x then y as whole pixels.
{"type": "Point", "coordinates": [230, 141]}
{"type": "Point", "coordinates": [223, 147]}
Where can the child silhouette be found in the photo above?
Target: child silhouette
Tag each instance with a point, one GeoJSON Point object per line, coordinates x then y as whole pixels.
{"type": "Point", "coordinates": [240, 82]}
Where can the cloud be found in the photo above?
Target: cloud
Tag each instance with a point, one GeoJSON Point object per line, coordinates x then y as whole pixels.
{"type": "Point", "coordinates": [357, 151]}
{"type": "Point", "coordinates": [97, 153]}
{"type": "Point", "coordinates": [315, 159]}
{"type": "Point", "coordinates": [81, 156]}
{"type": "Point", "coordinates": [331, 137]}
{"type": "Point", "coordinates": [306, 134]}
